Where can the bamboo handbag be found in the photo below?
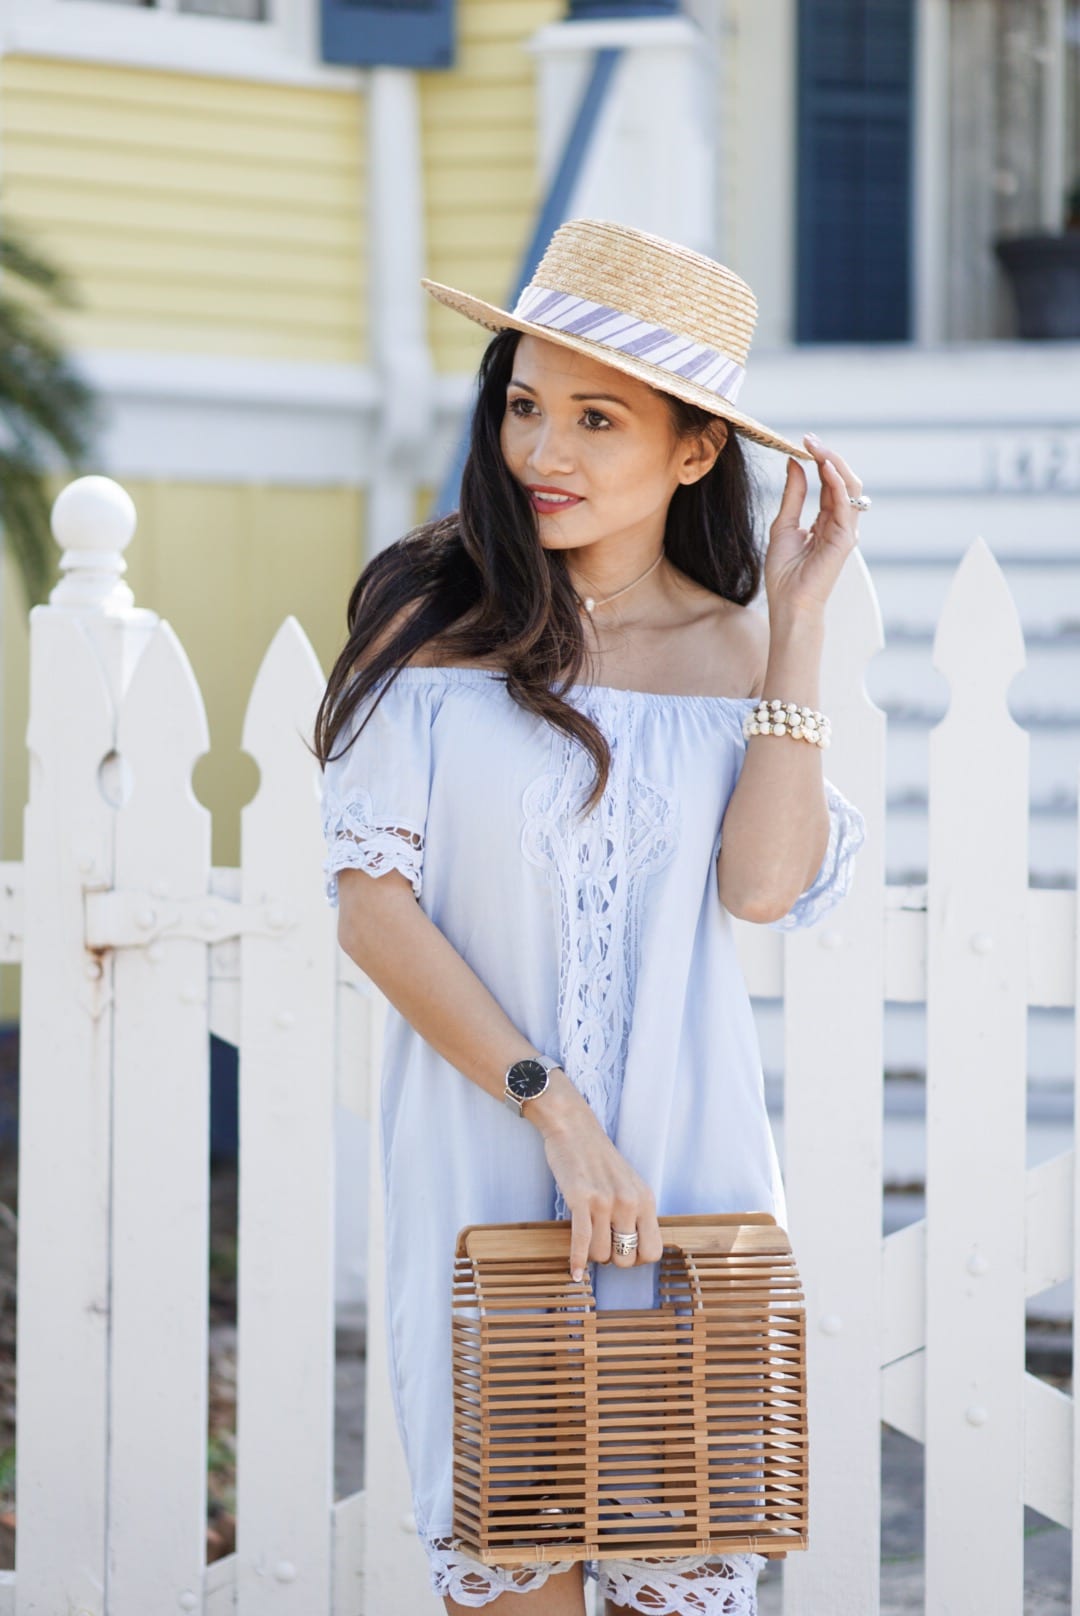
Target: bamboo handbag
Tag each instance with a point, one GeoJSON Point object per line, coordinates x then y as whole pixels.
{"type": "Point", "coordinates": [658, 1432]}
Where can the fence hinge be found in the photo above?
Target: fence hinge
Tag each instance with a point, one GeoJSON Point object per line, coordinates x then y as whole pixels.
{"type": "Point", "coordinates": [131, 919]}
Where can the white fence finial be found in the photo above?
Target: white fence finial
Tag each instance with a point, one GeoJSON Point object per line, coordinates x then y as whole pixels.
{"type": "Point", "coordinates": [93, 522]}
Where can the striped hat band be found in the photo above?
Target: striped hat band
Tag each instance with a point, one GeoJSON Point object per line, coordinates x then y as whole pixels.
{"type": "Point", "coordinates": [696, 362]}
{"type": "Point", "coordinates": [656, 310]}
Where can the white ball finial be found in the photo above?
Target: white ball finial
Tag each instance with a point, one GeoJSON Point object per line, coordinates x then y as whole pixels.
{"type": "Point", "coordinates": [93, 522]}
{"type": "Point", "coordinates": [93, 513]}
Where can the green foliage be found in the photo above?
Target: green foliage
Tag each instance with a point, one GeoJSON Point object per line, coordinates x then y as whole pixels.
{"type": "Point", "coordinates": [1072, 207]}
{"type": "Point", "coordinates": [47, 410]}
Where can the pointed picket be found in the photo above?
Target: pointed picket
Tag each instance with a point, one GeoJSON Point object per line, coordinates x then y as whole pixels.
{"type": "Point", "coordinates": [65, 1057]}
{"type": "Point", "coordinates": [977, 953]}
{"type": "Point", "coordinates": [285, 1361]}
{"type": "Point", "coordinates": [1075, 1228]}
{"type": "Point", "coordinates": [833, 1056]}
{"type": "Point", "coordinates": [161, 1152]}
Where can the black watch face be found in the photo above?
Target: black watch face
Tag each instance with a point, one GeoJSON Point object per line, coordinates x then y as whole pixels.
{"type": "Point", "coordinates": [526, 1079]}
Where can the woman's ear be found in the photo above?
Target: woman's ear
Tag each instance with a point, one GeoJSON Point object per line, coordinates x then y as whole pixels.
{"type": "Point", "coordinates": [703, 451]}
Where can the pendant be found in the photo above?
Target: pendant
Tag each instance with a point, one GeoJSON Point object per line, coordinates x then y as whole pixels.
{"type": "Point", "coordinates": [588, 603]}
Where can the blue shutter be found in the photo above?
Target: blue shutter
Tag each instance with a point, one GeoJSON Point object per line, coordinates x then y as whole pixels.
{"type": "Point", "coordinates": [582, 9]}
{"type": "Point", "coordinates": [855, 166]}
{"type": "Point", "coordinates": [388, 33]}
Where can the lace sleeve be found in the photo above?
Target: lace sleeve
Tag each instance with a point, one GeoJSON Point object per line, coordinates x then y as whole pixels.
{"type": "Point", "coordinates": [377, 784]}
{"type": "Point", "coordinates": [357, 840]}
{"type": "Point", "coordinates": [847, 832]}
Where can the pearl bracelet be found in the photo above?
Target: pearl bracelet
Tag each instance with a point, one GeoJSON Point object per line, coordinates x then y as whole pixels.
{"type": "Point", "coordinates": [787, 718]}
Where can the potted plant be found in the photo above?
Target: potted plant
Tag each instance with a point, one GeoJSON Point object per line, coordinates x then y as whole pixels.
{"type": "Point", "coordinates": [1043, 269]}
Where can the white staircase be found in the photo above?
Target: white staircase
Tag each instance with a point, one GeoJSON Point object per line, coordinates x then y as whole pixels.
{"type": "Point", "coordinates": [951, 444]}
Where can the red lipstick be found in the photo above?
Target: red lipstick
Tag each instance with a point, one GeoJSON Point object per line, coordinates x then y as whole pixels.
{"type": "Point", "coordinates": [563, 502]}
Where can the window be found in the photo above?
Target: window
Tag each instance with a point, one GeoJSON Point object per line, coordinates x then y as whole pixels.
{"type": "Point", "coordinates": [1014, 143]}
{"type": "Point", "coordinates": [277, 40]}
{"type": "Point", "coordinates": [247, 10]}
{"type": "Point", "coordinates": [855, 89]}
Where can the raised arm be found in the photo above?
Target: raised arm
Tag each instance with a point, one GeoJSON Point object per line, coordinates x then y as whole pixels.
{"type": "Point", "coordinates": [776, 832]}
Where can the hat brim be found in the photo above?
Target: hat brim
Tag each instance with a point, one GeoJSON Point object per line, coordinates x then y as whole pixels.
{"type": "Point", "coordinates": [496, 319]}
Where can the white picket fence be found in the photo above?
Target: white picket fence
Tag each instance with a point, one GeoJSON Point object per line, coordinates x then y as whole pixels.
{"type": "Point", "coordinates": [133, 947]}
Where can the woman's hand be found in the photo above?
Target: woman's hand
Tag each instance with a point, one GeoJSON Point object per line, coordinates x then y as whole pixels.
{"type": "Point", "coordinates": [599, 1186]}
{"type": "Point", "coordinates": [803, 564]}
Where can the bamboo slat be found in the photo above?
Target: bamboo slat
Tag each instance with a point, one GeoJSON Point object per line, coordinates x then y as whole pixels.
{"type": "Point", "coordinates": [588, 1434]}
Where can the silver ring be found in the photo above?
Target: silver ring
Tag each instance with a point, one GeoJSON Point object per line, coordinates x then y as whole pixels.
{"type": "Point", "coordinates": [623, 1245]}
{"type": "Point", "coordinates": [862, 503]}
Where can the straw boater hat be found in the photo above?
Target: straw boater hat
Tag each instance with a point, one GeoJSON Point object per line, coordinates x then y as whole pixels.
{"type": "Point", "coordinates": [644, 305]}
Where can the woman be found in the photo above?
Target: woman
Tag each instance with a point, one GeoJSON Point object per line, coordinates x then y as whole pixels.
{"type": "Point", "coordinates": [539, 833]}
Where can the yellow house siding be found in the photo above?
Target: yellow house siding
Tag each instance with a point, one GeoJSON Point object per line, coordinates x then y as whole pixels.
{"type": "Point", "coordinates": [480, 164]}
{"type": "Point", "coordinates": [198, 214]}
{"type": "Point", "coordinates": [268, 550]}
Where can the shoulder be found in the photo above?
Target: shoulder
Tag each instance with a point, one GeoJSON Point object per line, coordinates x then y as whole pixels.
{"type": "Point", "coordinates": [730, 641]}
{"type": "Point", "coordinates": [428, 655]}
{"type": "Point", "coordinates": [750, 627]}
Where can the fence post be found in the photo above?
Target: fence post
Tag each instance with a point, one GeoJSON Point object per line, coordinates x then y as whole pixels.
{"type": "Point", "coordinates": [1075, 1181]}
{"type": "Point", "coordinates": [833, 1059]}
{"type": "Point", "coordinates": [977, 977]}
{"type": "Point", "coordinates": [285, 1297]}
{"type": "Point", "coordinates": [161, 1149]}
{"type": "Point", "coordinates": [83, 645]}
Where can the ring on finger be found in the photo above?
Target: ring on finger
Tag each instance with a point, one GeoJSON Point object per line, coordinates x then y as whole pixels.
{"type": "Point", "coordinates": [623, 1245]}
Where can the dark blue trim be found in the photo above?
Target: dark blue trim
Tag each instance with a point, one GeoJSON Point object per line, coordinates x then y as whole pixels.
{"type": "Point", "coordinates": [552, 215]}
{"type": "Point", "coordinates": [388, 33]}
{"type": "Point", "coordinates": [588, 10]}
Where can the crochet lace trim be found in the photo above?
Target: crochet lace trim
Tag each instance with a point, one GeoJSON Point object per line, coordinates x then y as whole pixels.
{"type": "Point", "coordinates": [469, 1583]}
{"type": "Point", "coordinates": [359, 841]}
{"type": "Point", "coordinates": [601, 863]}
{"type": "Point", "coordinates": [847, 832]}
{"type": "Point", "coordinates": [691, 1586]}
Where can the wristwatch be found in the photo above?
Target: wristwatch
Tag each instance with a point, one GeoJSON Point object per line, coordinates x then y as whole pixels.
{"type": "Point", "coordinates": [526, 1080]}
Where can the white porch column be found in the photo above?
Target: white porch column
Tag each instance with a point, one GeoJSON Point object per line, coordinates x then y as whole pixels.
{"type": "Point", "coordinates": [651, 163]}
{"type": "Point", "coordinates": [397, 313]}
{"type": "Point", "coordinates": [760, 160]}
{"type": "Point", "coordinates": [931, 171]}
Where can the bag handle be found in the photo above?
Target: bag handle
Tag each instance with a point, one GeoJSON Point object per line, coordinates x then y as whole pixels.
{"type": "Point", "coordinates": [722, 1232]}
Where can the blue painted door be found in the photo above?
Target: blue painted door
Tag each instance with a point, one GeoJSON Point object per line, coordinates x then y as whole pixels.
{"type": "Point", "coordinates": [854, 208]}
{"type": "Point", "coordinates": [388, 33]}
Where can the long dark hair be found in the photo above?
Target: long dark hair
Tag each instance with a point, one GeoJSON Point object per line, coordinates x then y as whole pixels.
{"type": "Point", "coordinates": [480, 580]}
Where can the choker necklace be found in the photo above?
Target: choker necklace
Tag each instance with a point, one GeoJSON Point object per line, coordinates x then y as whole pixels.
{"type": "Point", "coordinates": [589, 604]}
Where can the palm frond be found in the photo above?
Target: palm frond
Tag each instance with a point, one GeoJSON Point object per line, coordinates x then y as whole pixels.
{"type": "Point", "coordinates": [24, 515]}
{"type": "Point", "coordinates": [46, 407]}
{"type": "Point", "coordinates": [39, 388]}
{"type": "Point", "coordinates": [18, 258]}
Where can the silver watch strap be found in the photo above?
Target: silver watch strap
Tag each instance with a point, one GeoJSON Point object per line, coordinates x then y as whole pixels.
{"type": "Point", "coordinates": [518, 1106]}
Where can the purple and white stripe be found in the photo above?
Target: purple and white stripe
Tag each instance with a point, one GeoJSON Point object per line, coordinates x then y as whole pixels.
{"type": "Point", "coordinates": [696, 361]}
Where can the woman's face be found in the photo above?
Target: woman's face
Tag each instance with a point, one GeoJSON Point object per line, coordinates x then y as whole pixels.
{"type": "Point", "coordinates": [580, 427]}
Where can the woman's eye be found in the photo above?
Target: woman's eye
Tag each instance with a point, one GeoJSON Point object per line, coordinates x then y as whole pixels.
{"type": "Point", "coordinates": [599, 422]}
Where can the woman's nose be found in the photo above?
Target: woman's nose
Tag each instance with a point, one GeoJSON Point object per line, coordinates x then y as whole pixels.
{"type": "Point", "coordinates": [550, 451]}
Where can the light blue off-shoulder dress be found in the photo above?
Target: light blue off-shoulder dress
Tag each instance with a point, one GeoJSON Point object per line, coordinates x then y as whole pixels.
{"type": "Point", "coordinates": [605, 941]}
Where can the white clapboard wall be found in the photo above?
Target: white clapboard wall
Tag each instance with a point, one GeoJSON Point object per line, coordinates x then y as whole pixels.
{"type": "Point", "coordinates": [133, 947]}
